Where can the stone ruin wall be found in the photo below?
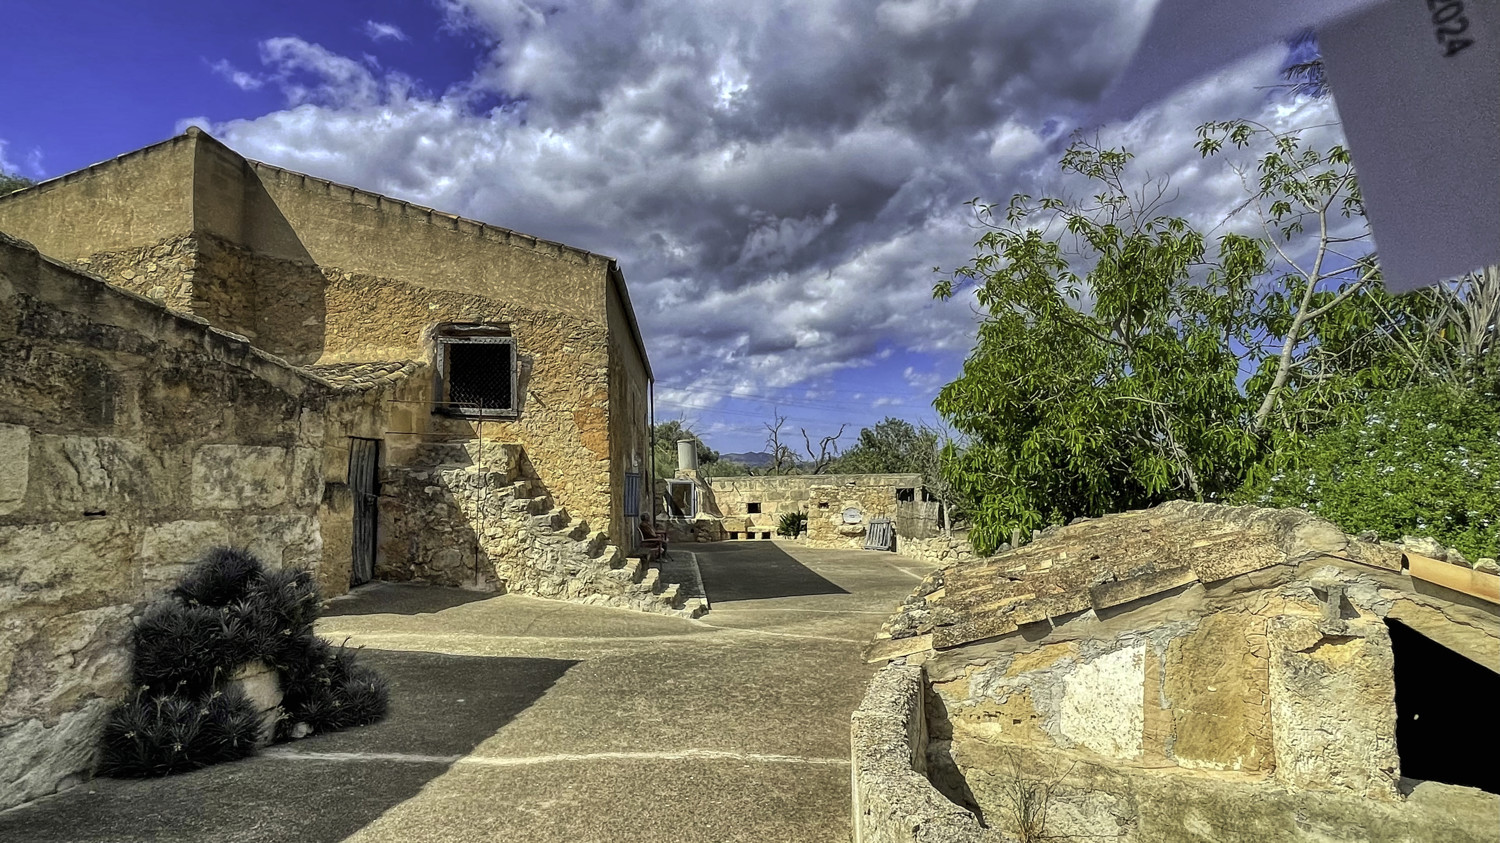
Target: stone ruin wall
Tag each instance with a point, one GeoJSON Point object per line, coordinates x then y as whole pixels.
{"type": "Point", "coordinates": [937, 551]}
{"type": "Point", "coordinates": [823, 497]}
{"type": "Point", "coordinates": [1257, 690]}
{"type": "Point", "coordinates": [328, 315]}
{"type": "Point", "coordinates": [131, 440]}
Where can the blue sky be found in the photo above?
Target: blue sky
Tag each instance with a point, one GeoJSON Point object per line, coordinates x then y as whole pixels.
{"type": "Point", "coordinates": [777, 178]}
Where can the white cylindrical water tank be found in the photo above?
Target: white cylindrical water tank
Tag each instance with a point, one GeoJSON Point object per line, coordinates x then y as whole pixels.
{"type": "Point", "coordinates": [687, 454]}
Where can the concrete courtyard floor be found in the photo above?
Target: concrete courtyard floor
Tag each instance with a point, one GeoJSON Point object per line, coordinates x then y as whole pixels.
{"type": "Point", "coordinates": [514, 718]}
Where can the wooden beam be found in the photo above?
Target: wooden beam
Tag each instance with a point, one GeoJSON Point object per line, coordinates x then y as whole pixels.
{"type": "Point", "coordinates": [1474, 583]}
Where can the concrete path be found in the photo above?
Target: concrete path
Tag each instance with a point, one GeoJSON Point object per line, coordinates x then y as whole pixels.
{"type": "Point", "coordinates": [521, 719]}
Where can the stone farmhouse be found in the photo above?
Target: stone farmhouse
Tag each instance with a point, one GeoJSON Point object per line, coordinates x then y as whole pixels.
{"type": "Point", "coordinates": [198, 349]}
{"type": "Point", "coordinates": [1191, 672]}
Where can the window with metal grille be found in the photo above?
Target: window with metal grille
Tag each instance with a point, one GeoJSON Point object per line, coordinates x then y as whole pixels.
{"type": "Point", "coordinates": [476, 372]}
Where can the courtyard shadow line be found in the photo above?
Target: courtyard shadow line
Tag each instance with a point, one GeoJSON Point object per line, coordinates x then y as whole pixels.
{"type": "Point", "coordinates": [442, 706]}
{"type": "Point", "coordinates": [383, 598]}
{"type": "Point", "coordinates": [758, 570]}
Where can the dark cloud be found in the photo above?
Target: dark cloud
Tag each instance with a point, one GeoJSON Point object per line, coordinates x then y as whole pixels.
{"type": "Point", "coordinates": [778, 179]}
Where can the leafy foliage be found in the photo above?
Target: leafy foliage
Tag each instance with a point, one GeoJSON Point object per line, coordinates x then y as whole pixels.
{"type": "Point", "coordinates": [229, 610]}
{"type": "Point", "coordinates": [664, 438]}
{"type": "Point", "coordinates": [1073, 410]}
{"type": "Point", "coordinates": [791, 524]}
{"type": "Point", "coordinates": [1421, 461]}
{"type": "Point", "coordinates": [10, 183]}
{"type": "Point", "coordinates": [159, 735]}
{"type": "Point", "coordinates": [892, 446]}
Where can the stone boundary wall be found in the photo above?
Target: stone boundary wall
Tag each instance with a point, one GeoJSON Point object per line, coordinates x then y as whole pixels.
{"type": "Point", "coordinates": [893, 802]}
{"type": "Point", "coordinates": [131, 440]}
{"type": "Point", "coordinates": [824, 497]}
{"type": "Point", "coordinates": [938, 551]}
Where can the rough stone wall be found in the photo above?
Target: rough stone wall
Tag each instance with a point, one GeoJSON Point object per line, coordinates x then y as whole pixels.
{"type": "Point", "coordinates": [629, 422]}
{"type": "Point", "coordinates": [937, 551]}
{"type": "Point", "coordinates": [131, 440]}
{"type": "Point", "coordinates": [1270, 694]}
{"type": "Point", "coordinates": [298, 217]}
{"type": "Point", "coordinates": [139, 198]}
{"type": "Point", "coordinates": [823, 497]}
{"type": "Point", "coordinates": [893, 802]}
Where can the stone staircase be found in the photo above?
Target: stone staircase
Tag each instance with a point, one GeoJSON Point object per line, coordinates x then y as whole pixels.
{"type": "Point", "coordinates": [534, 546]}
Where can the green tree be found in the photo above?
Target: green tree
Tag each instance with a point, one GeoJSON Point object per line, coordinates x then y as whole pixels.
{"type": "Point", "coordinates": [892, 446]}
{"type": "Point", "coordinates": [1109, 390]}
{"type": "Point", "coordinates": [1422, 461]}
{"type": "Point", "coordinates": [664, 439]}
{"type": "Point", "coordinates": [10, 183]}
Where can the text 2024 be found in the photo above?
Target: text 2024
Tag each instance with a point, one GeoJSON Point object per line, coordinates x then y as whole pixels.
{"type": "Point", "coordinates": [1449, 24]}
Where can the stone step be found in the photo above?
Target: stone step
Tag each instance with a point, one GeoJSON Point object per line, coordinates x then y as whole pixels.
{"type": "Point", "coordinates": [668, 594]}
{"type": "Point", "coordinates": [552, 520]}
{"type": "Point", "coordinates": [633, 570]}
{"type": "Point", "coordinates": [442, 453]}
{"type": "Point", "coordinates": [611, 556]}
{"type": "Point", "coordinates": [597, 542]}
{"type": "Point", "coordinates": [693, 607]}
{"type": "Point", "coordinates": [651, 582]}
{"type": "Point", "coordinates": [578, 531]}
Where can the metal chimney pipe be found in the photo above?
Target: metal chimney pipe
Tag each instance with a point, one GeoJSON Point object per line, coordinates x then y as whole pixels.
{"type": "Point", "coordinates": [687, 455]}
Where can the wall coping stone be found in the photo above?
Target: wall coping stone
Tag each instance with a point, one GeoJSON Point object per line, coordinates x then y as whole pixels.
{"type": "Point", "coordinates": [892, 802]}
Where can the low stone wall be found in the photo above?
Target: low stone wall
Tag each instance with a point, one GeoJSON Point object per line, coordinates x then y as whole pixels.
{"type": "Point", "coordinates": [825, 498]}
{"type": "Point", "coordinates": [937, 551]}
{"type": "Point", "coordinates": [893, 802]}
{"type": "Point", "coordinates": [131, 440]}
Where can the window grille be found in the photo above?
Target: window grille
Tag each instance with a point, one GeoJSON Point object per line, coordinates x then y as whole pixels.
{"type": "Point", "coordinates": [477, 375]}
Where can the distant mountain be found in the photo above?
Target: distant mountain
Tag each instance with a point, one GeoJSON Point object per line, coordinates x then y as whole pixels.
{"type": "Point", "coordinates": [754, 460]}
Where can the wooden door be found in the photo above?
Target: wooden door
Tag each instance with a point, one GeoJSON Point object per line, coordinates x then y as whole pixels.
{"type": "Point", "coordinates": [364, 482]}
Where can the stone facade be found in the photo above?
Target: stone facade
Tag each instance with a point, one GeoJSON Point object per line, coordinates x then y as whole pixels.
{"type": "Point", "coordinates": [322, 274]}
{"type": "Point", "coordinates": [825, 498]}
{"type": "Point", "coordinates": [1187, 673]}
{"type": "Point", "coordinates": [256, 323]}
{"type": "Point", "coordinates": [131, 440]}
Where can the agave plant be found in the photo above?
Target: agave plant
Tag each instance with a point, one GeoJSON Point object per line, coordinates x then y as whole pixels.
{"type": "Point", "coordinates": [227, 611]}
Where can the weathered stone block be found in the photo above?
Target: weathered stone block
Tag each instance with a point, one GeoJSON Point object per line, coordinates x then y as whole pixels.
{"type": "Point", "coordinates": [170, 548]}
{"type": "Point", "coordinates": [1333, 707]}
{"type": "Point", "coordinates": [239, 477]}
{"type": "Point", "coordinates": [37, 759]}
{"type": "Point", "coordinates": [15, 466]}
{"type": "Point", "coordinates": [92, 474]}
{"type": "Point", "coordinates": [1102, 703]}
{"type": "Point", "coordinates": [281, 541]}
{"type": "Point", "coordinates": [1217, 689]}
{"type": "Point", "coordinates": [70, 563]}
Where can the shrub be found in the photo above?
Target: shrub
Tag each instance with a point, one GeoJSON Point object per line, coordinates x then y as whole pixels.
{"type": "Point", "coordinates": [1422, 462]}
{"type": "Point", "coordinates": [229, 610]}
{"type": "Point", "coordinates": [791, 524]}
{"type": "Point", "coordinates": [159, 735]}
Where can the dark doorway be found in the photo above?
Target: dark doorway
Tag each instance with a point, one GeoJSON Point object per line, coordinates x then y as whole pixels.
{"type": "Point", "coordinates": [1434, 686]}
{"type": "Point", "coordinates": [364, 483]}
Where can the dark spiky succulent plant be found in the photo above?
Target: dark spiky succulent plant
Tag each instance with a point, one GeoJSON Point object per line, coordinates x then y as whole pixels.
{"type": "Point", "coordinates": [229, 610]}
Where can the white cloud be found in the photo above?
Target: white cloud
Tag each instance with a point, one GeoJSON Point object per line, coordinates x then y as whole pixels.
{"type": "Point", "coordinates": [377, 31]}
{"type": "Point", "coordinates": [778, 179]}
{"type": "Point", "coordinates": [236, 77]}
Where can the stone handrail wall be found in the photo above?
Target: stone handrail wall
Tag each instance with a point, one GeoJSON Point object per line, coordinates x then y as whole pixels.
{"type": "Point", "coordinates": [893, 802]}
{"type": "Point", "coordinates": [938, 551]}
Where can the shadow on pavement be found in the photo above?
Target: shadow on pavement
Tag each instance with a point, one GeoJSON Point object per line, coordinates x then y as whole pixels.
{"type": "Point", "coordinates": [758, 570]}
{"type": "Point", "coordinates": [441, 706]}
{"type": "Point", "coordinates": [386, 598]}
